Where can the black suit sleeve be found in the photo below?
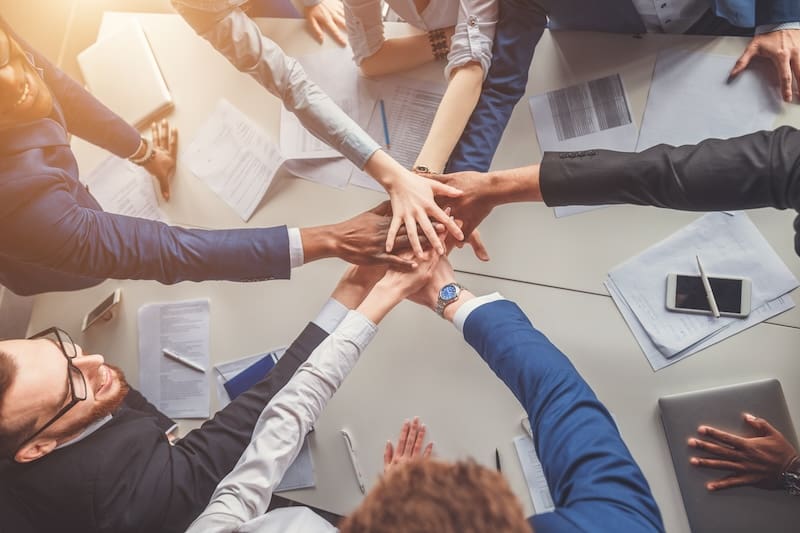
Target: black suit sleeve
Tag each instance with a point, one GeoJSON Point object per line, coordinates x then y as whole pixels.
{"type": "Point", "coordinates": [206, 455]}
{"type": "Point", "coordinates": [757, 170]}
{"type": "Point", "coordinates": [136, 401]}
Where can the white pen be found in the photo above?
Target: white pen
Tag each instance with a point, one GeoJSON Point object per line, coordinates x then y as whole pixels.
{"type": "Point", "coordinates": [182, 360]}
{"type": "Point", "coordinates": [351, 451]}
{"type": "Point", "coordinates": [707, 286]}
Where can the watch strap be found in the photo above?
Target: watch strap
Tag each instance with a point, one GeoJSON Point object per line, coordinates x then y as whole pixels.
{"type": "Point", "coordinates": [441, 304]}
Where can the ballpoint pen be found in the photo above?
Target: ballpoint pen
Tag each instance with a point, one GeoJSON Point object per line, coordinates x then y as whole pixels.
{"type": "Point", "coordinates": [497, 459]}
{"type": "Point", "coordinates": [351, 451]}
{"type": "Point", "coordinates": [182, 360]}
{"type": "Point", "coordinates": [385, 124]}
{"type": "Point", "coordinates": [712, 302]}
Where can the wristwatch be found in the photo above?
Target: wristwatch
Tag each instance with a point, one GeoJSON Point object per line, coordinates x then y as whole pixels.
{"type": "Point", "coordinates": [447, 295]}
{"type": "Point", "coordinates": [422, 169]}
{"type": "Point", "coordinates": [791, 477]}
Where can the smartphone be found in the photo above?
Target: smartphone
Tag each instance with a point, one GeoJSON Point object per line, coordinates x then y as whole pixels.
{"type": "Point", "coordinates": [103, 310]}
{"type": "Point", "coordinates": [686, 294]}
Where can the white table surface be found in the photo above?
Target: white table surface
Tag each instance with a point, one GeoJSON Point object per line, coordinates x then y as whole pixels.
{"type": "Point", "coordinates": [431, 372]}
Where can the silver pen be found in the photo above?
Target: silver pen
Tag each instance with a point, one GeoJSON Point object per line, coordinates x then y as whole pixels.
{"type": "Point", "coordinates": [712, 302]}
{"type": "Point", "coordinates": [351, 451]}
{"type": "Point", "coordinates": [182, 360]}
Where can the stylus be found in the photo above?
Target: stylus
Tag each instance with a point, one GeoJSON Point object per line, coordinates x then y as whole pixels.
{"type": "Point", "coordinates": [182, 360]}
{"type": "Point", "coordinates": [712, 302]}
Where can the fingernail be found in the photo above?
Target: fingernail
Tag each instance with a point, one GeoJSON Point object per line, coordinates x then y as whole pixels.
{"type": "Point", "coordinates": [749, 417]}
{"type": "Point", "coordinates": [690, 441]}
{"type": "Point", "coordinates": [693, 460]}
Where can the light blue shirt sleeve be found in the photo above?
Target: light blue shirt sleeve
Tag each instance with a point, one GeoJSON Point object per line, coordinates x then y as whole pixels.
{"type": "Point", "coordinates": [769, 28]}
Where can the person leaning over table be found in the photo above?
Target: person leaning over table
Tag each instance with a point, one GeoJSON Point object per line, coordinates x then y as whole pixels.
{"type": "Point", "coordinates": [757, 170]}
{"type": "Point", "coordinates": [78, 452]}
{"type": "Point", "coordinates": [242, 498]}
{"type": "Point", "coordinates": [774, 25]}
{"type": "Point", "coordinates": [460, 31]}
{"type": "Point", "coordinates": [226, 26]}
{"type": "Point", "coordinates": [55, 236]}
{"type": "Point", "coordinates": [595, 483]}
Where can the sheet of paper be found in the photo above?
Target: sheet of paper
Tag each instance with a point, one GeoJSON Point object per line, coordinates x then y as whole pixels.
{"type": "Point", "coordinates": [658, 361]}
{"type": "Point", "coordinates": [235, 158]}
{"type": "Point", "coordinates": [335, 72]}
{"type": "Point", "coordinates": [691, 99]}
{"type": "Point", "coordinates": [300, 475]}
{"type": "Point", "coordinates": [729, 245]}
{"type": "Point", "coordinates": [177, 390]}
{"type": "Point", "coordinates": [410, 107]}
{"type": "Point", "coordinates": [124, 189]}
{"type": "Point", "coordinates": [333, 172]}
{"type": "Point", "coordinates": [227, 370]}
{"type": "Point", "coordinates": [359, 178]}
{"type": "Point", "coordinates": [534, 475]}
{"type": "Point", "coordinates": [595, 114]}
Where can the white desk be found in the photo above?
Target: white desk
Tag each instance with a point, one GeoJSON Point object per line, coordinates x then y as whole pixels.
{"type": "Point", "coordinates": [431, 373]}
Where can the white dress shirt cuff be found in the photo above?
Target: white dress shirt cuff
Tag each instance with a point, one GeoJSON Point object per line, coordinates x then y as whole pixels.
{"type": "Point", "coordinates": [296, 257]}
{"type": "Point", "coordinates": [331, 315]}
{"type": "Point", "coordinates": [769, 28]}
{"type": "Point", "coordinates": [467, 308]}
{"type": "Point", "coordinates": [310, 3]}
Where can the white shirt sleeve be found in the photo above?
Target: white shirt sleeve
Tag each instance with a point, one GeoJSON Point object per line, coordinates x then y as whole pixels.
{"type": "Point", "coordinates": [244, 494]}
{"type": "Point", "coordinates": [474, 35]}
{"type": "Point", "coordinates": [238, 38]}
{"type": "Point", "coordinates": [364, 27]}
{"type": "Point", "coordinates": [467, 308]}
{"type": "Point", "coordinates": [331, 315]}
{"type": "Point", "coordinates": [296, 256]}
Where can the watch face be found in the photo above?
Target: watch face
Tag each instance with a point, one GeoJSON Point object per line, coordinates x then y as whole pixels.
{"type": "Point", "coordinates": [448, 292]}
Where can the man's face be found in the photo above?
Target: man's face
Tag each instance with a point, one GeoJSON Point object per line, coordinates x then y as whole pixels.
{"type": "Point", "coordinates": [24, 96]}
{"type": "Point", "coordinates": [40, 389]}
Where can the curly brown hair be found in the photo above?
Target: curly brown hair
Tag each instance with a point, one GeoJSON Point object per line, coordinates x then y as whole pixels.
{"type": "Point", "coordinates": [434, 496]}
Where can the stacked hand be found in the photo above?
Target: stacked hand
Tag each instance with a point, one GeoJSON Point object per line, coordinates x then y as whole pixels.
{"type": "Point", "coordinates": [328, 15]}
{"type": "Point", "coordinates": [165, 146]}
{"type": "Point", "coordinates": [471, 206]}
{"type": "Point", "coordinates": [757, 461]}
{"type": "Point", "coordinates": [783, 49]}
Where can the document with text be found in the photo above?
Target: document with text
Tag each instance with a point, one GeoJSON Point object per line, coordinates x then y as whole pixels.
{"type": "Point", "coordinates": [534, 475]}
{"type": "Point", "coordinates": [126, 189]}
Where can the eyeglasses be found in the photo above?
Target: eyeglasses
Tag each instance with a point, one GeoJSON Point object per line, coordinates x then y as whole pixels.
{"type": "Point", "coordinates": [75, 379]}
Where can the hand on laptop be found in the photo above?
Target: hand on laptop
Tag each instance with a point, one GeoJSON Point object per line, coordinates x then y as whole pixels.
{"type": "Point", "coordinates": [757, 461]}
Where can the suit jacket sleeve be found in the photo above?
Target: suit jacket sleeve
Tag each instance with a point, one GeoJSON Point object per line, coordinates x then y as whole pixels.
{"type": "Point", "coordinates": [757, 170]}
{"type": "Point", "coordinates": [596, 484]}
{"type": "Point", "coordinates": [777, 11]}
{"type": "Point", "coordinates": [85, 115]}
{"type": "Point", "coordinates": [520, 26]}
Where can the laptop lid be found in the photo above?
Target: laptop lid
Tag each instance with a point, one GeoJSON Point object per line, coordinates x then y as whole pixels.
{"type": "Point", "coordinates": [737, 509]}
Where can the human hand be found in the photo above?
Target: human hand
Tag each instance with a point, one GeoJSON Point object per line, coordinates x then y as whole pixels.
{"type": "Point", "coordinates": [165, 148]}
{"type": "Point", "coordinates": [356, 282]}
{"type": "Point", "coordinates": [327, 15]}
{"type": "Point", "coordinates": [409, 446]}
{"type": "Point", "coordinates": [757, 461]}
{"type": "Point", "coordinates": [782, 47]}
{"type": "Point", "coordinates": [441, 275]}
{"type": "Point", "coordinates": [472, 206]}
{"type": "Point", "coordinates": [412, 199]}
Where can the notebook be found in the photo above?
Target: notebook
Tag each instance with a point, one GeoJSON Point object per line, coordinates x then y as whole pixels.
{"type": "Point", "coordinates": [738, 509]}
{"type": "Point", "coordinates": [121, 71]}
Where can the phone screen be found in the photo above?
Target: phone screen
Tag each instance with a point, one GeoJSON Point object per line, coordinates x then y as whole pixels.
{"type": "Point", "coordinates": [100, 309]}
{"type": "Point", "coordinates": [690, 294]}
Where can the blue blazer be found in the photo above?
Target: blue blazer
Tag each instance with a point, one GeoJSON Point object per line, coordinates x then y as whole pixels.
{"type": "Point", "coordinates": [596, 484]}
{"type": "Point", "coordinates": [520, 26]}
{"type": "Point", "coordinates": [55, 236]}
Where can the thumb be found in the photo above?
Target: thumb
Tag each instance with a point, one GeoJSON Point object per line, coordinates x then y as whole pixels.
{"type": "Point", "coordinates": [440, 189]}
{"type": "Point", "coordinates": [743, 61]}
{"type": "Point", "coordinates": [763, 427]}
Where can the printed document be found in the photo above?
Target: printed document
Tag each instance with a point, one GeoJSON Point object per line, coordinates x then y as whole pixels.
{"type": "Point", "coordinates": [183, 327]}
{"type": "Point", "coordinates": [126, 189]}
{"type": "Point", "coordinates": [730, 245]}
{"type": "Point", "coordinates": [690, 100]}
{"type": "Point", "coordinates": [591, 115]}
{"type": "Point", "coordinates": [234, 157]}
{"type": "Point", "coordinates": [534, 475]}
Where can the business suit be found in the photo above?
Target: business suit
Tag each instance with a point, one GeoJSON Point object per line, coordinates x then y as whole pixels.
{"type": "Point", "coordinates": [519, 28]}
{"type": "Point", "coordinates": [757, 170]}
{"type": "Point", "coordinates": [55, 236]}
{"type": "Point", "coordinates": [595, 483]}
{"type": "Point", "coordinates": [126, 477]}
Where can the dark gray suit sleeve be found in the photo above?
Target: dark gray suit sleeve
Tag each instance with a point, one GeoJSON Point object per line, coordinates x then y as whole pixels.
{"type": "Point", "coordinates": [757, 170]}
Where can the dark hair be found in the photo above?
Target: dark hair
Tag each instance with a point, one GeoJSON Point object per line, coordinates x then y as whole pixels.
{"type": "Point", "coordinates": [12, 432]}
{"type": "Point", "coordinates": [429, 495]}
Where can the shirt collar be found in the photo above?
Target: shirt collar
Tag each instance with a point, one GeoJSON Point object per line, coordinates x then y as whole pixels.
{"type": "Point", "coordinates": [91, 428]}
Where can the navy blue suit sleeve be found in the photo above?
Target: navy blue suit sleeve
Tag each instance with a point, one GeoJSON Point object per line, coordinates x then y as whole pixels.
{"type": "Point", "coordinates": [84, 114]}
{"type": "Point", "coordinates": [519, 27]}
{"type": "Point", "coordinates": [777, 11]}
{"type": "Point", "coordinates": [596, 484]}
{"type": "Point", "coordinates": [48, 228]}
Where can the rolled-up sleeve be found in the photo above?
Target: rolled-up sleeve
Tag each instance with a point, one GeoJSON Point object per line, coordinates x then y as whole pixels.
{"type": "Point", "coordinates": [364, 27]}
{"type": "Point", "coordinates": [474, 35]}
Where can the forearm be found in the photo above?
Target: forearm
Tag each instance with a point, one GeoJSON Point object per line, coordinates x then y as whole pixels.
{"type": "Point", "coordinates": [398, 54]}
{"type": "Point", "coordinates": [239, 39]}
{"type": "Point", "coordinates": [454, 111]}
{"type": "Point", "coordinates": [757, 170]}
{"type": "Point", "coordinates": [381, 299]}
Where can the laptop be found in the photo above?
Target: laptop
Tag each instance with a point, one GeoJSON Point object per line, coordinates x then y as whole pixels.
{"type": "Point", "coordinates": [740, 509]}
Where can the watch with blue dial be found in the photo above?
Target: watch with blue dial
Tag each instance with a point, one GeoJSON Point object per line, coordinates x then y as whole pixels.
{"type": "Point", "coordinates": [447, 295]}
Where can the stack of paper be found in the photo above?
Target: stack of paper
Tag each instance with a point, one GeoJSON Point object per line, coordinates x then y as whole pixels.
{"type": "Point", "coordinates": [124, 189]}
{"type": "Point", "coordinates": [175, 389]}
{"type": "Point", "coordinates": [534, 475]}
{"type": "Point", "coordinates": [730, 245]}
{"type": "Point", "coordinates": [300, 474]}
